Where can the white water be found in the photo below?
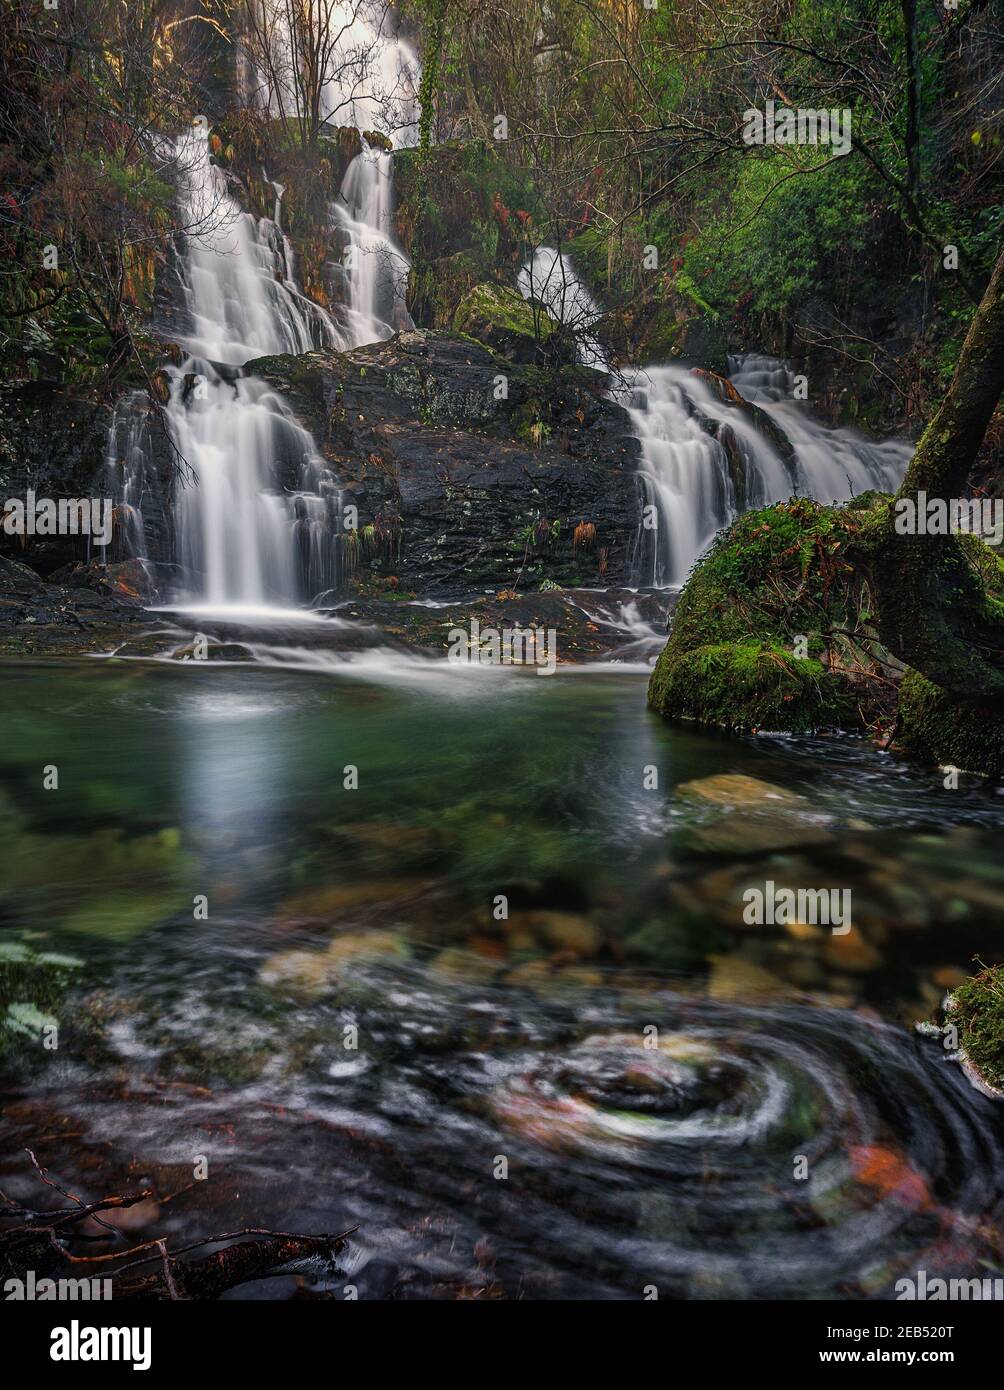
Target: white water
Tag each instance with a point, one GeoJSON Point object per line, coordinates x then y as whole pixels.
{"type": "Point", "coordinates": [693, 484]}
{"type": "Point", "coordinates": [550, 279]}
{"type": "Point", "coordinates": [242, 538]}
{"type": "Point", "coordinates": [376, 272]}
{"type": "Point", "coordinates": [126, 458]}
{"type": "Point", "coordinates": [370, 76]}
{"type": "Point", "coordinates": [834, 464]}
{"type": "Point", "coordinates": [685, 470]}
{"type": "Point", "coordinates": [259, 526]}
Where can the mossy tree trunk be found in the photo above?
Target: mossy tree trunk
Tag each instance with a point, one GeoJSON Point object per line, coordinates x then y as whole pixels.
{"type": "Point", "coordinates": [420, 294]}
{"type": "Point", "coordinates": [935, 614]}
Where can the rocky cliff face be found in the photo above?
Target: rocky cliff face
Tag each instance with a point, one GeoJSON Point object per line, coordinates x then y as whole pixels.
{"type": "Point", "coordinates": [469, 472]}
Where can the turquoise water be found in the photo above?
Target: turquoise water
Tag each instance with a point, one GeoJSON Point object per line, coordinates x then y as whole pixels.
{"type": "Point", "coordinates": [605, 1086]}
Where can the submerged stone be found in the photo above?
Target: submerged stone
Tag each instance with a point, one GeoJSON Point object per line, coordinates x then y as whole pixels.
{"type": "Point", "coordinates": [750, 816]}
{"type": "Point", "coordinates": [733, 977]}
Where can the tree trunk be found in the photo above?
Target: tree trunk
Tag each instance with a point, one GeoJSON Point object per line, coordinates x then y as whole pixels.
{"type": "Point", "coordinates": [935, 613]}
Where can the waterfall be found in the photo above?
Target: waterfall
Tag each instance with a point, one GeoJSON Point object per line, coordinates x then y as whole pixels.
{"type": "Point", "coordinates": [833, 464]}
{"type": "Point", "coordinates": [703, 460]}
{"type": "Point", "coordinates": [256, 510]}
{"type": "Point", "coordinates": [695, 482]}
{"type": "Point", "coordinates": [550, 279]}
{"type": "Point", "coordinates": [256, 526]}
{"type": "Point", "coordinates": [127, 454]}
{"type": "Point", "coordinates": [375, 268]}
{"type": "Point", "coordinates": [368, 77]}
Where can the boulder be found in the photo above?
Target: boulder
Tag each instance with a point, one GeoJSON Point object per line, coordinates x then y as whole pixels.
{"type": "Point", "coordinates": [502, 320]}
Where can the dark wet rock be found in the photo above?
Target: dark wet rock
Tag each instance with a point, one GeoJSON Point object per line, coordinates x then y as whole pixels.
{"type": "Point", "coordinates": [52, 441]}
{"type": "Point", "coordinates": [723, 432]}
{"type": "Point", "coordinates": [38, 618]}
{"type": "Point", "coordinates": [64, 444]}
{"type": "Point", "coordinates": [660, 324]}
{"type": "Point", "coordinates": [578, 637]}
{"type": "Point", "coordinates": [455, 482]}
{"type": "Point", "coordinates": [124, 579]}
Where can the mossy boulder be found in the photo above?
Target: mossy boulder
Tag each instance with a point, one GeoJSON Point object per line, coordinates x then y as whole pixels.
{"type": "Point", "coordinates": [774, 629]}
{"type": "Point", "coordinates": [748, 686]}
{"type": "Point", "coordinates": [779, 629]}
{"type": "Point", "coordinates": [660, 323]}
{"type": "Point", "coordinates": [935, 728]}
{"type": "Point", "coordinates": [436, 288]}
{"type": "Point", "coordinates": [977, 1010]}
{"type": "Point", "coordinates": [501, 319]}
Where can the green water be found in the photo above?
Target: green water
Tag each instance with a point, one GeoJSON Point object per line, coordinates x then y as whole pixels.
{"type": "Point", "coordinates": [243, 913]}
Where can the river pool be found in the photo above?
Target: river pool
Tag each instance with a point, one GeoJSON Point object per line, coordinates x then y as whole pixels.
{"type": "Point", "coordinates": [301, 980]}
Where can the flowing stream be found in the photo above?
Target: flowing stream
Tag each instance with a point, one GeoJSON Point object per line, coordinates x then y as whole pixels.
{"type": "Point", "coordinates": [351, 1038]}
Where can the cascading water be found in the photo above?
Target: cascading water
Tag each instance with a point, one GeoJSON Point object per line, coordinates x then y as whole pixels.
{"type": "Point", "coordinates": [692, 480]}
{"type": "Point", "coordinates": [704, 461]}
{"type": "Point", "coordinates": [833, 464]}
{"type": "Point", "coordinates": [375, 267]}
{"type": "Point", "coordinates": [126, 456]}
{"type": "Point", "coordinates": [256, 525]}
{"type": "Point", "coordinates": [369, 76]}
{"type": "Point", "coordinates": [550, 280]}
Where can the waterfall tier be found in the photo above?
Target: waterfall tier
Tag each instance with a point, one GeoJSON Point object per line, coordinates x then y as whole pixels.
{"type": "Point", "coordinates": [704, 460]}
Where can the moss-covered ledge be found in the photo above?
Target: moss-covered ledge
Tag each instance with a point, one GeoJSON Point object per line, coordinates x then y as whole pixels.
{"type": "Point", "coordinates": [499, 318]}
{"type": "Point", "coordinates": [775, 631]}
{"type": "Point", "coordinates": [976, 1008]}
{"type": "Point", "coordinates": [934, 727]}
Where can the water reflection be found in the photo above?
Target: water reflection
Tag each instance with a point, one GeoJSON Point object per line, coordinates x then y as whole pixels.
{"type": "Point", "coordinates": [655, 1073]}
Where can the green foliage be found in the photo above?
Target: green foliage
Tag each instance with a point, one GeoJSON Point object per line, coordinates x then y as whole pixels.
{"type": "Point", "coordinates": [132, 182]}
{"type": "Point", "coordinates": [771, 243]}
{"type": "Point", "coordinates": [979, 1014]}
{"type": "Point", "coordinates": [70, 335]}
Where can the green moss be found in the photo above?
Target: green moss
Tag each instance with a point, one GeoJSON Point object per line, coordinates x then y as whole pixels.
{"type": "Point", "coordinates": [501, 319]}
{"type": "Point", "coordinates": [774, 628]}
{"type": "Point", "coordinates": [435, 288]}
{"type": "Point", "coordinates": [979, 1014]}
{"type": "Point", "coordinates": [32, 986]}
{"type": "Point", "coordinates": [744, 687]}
{"type": "Point", "coordinates": [936, 728]}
